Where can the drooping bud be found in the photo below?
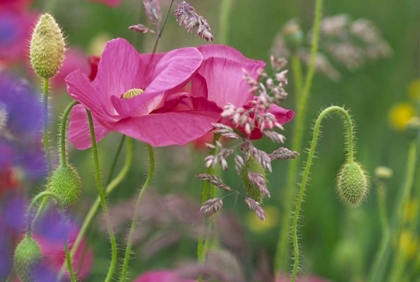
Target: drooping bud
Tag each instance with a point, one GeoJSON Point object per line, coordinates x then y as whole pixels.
{"type": "Point", "coordinates": [27, 256]}
{"type": "Point", "coordinates": [253, 188]}
{"type": "Point", "coordinates": [352, 183]}
{"type": "Point", "coordinates": [66, 184]}
{"type": "Point", "coordinates": [47, 47]}
{"type": "Point", "coordinates": [383, 172]}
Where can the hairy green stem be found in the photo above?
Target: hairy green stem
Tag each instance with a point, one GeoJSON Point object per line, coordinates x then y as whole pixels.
{"type": "Point", "coordinates": [102, 199]}
{"type": "Point", "coordinates": [43, 195]}
{"type": "Point", "coordinates": [159, 35]}
{"type": "Point", "coordinates": [208, 191]}
{"type": "Point", "coordinates": [115, 160]}
{"type": "Point", "coordinates": [95, 206]}
{"type": "Point", "coordinates": [297, 75]}
{"type": "Point", "coordinates": [386, 234]}
{"type": "Point", "coordinates": [29, 227]}
{"type": "Point", "coordinates": [68, 260]}
{"type": "Point", "coordinates": [63, 135]}
{"type": "Point", "coordinates": [282, 252]}
{"type": "Point", "coordinates": [62, 148]}
{"type": "Point", "coordinates": [45, 138]}
{"type": "Point", "coordinates": [225, 9]}
{"type": "Point", "coordinates": [400, 260]}
{"type": "Point", "coordinates": [305, 177]}
{"type": "Point", "coordinates": [135, 216]}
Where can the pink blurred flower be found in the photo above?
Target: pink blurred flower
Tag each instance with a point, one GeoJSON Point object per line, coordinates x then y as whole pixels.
{"type": "Point", "coordinates": [54, 255]}
{"type": "Point", "coordinates": [15, 31]}
{"type": "Point", "coordinates": [161, 276]}
{"type": "Point", "coordinates": [74, 59]}
{"type": "Point", "coordinates": [220, 79]}
{"type": "Point", "coordinates": [111, 3]}
{"type": "Point", "coordinates": [163, 114]}
{"type": "Point", "coordinates": [14, 4]}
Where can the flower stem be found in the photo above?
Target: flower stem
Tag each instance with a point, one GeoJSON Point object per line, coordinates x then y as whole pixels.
{"type": "Point", "coordinates": [282, 251]}
{"type": "Point", "coordinates": [297, 75]}
{"type": "Point", "coordinates": [102, 199]}
{"type": "Point", "coordinates": [45, 139]}
{"type": "Point", "coordinates": [159, 35]}
{"type": "Point", "coordinates": [62, 149]}
{"type": "Point", "coordinates": [317, 128]}
{"type": "Point", "coordinates": [63, 135]}
{"type": "Point", "coordinates": [29, 227]}
{"type": "Point", "coordinates": [377, 267]}
{"type": "Point", "coordinates": [68, 260]}
{"type": "Point", "coordinates": [400, 261]}
{"type": "Point", "coordinates": [94, 208]}
{"type": "Point", "coordinates": [44, 194]}
{"type": "Point", "coordinates": [115, 160]}
{"type": "Point", "coordinates": [208, 192]}
{"type": "Point", "coordinates": [225, 9]}
{"type": "Point", "coordinates": [135, 217]}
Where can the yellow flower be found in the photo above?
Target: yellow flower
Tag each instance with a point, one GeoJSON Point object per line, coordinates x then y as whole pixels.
{"type": "Point", "coordinates": [411, 210]}
{"type": "Point", "coordinates": [414, 90]}
{"type": "Point", "coordinates": [408, 243]}
{"type": "Point", "coordinates": [97, 44]}
{"type": "Point", "coordinates": [400, 114]}
{"type": "Point", "coordinates": [258, 226]}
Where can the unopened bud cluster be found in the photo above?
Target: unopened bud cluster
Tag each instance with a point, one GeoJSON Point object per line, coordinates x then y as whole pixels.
{"type": "Point", "coordinates": [47, 47]}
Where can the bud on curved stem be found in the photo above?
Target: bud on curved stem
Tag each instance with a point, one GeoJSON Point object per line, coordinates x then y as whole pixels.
{"type": "Point", "coordinates": [348, 125]}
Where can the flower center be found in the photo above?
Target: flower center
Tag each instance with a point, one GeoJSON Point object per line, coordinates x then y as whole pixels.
{"type": "Point", "coordinates": [132, 93]}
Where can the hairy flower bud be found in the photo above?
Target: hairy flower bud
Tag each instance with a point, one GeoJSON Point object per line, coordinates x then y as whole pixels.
{"type": "Point", "coordinates": [252, 189]}
{"type": "Point", "coordinates": [27, 255]}
{"type": "Point", "coordinates": [66, 184]}
{"type": "Point", "coordinates": [352, 183]}
{"type": "Point", "coordinates": [47, 47]}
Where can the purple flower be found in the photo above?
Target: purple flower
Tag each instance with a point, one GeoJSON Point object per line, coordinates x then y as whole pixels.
{"type": "Point", "coordinates": [15, 30]}
{"type": "Point", "coordinates": [20, 129]}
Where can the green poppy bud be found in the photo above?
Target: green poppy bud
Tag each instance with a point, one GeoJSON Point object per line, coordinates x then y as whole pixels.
{"type": "Point", "coordinates": [27, 255]}
{"type": "Point", "coordinates": [66, 184]}
{"type": "Point", "coordinates": [253, 190]}
{"type": "Point", "coordinates": [352, 183]}
{"type": "Point", "coordinates": [47, 47]}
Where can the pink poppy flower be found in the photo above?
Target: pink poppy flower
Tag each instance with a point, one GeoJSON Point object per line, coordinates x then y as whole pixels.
{"type": "Point", "coordinates": [142, 96]}
{"type": "Point", "coordinates": [220, 79]}
{"type": "Point", "coordinates": [161, 276]}
{"type": "Point", "coordinates": [14, 4]}
{"type": "Point", "coordinates": [74, 59]}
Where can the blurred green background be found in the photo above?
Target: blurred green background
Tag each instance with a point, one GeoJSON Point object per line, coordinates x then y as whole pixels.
{"type": "Point", "coordinates": [369, 93]}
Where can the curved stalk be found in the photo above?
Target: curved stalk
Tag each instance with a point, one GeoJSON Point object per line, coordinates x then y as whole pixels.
{"type": "Point", "coordinates": [95, 206]}
{"type": "Point", "coordinates": [135, 217]}
{"type": "Point", "coordinates": [102, 199]}
{"type": "Point", "coordinates": [349, 133]}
